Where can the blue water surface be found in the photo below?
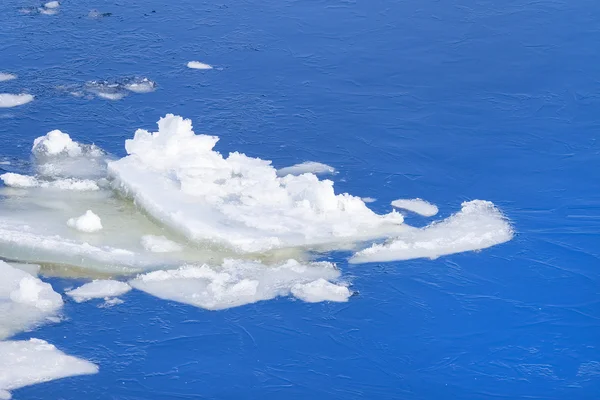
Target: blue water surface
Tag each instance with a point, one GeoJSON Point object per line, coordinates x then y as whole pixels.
{"type": "Point", "coordinates": [447, 101]}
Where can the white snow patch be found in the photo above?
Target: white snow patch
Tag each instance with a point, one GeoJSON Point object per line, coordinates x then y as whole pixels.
{"type": "Point", "coordinates": [477, 226]}
{"type": "Point", "coordinates": [5, 76]}
{"type": "Point", "coordinates": [238, 201]}
{"type": "Point", "coordinates": [88, 222]}
{"type": "Point", "coordinates": [99, 289]}
{"type": "Point", "coordinates": [24, 181]}
{"type": "Point", "coordinates": [28, 362]}
{"type": "Point", "coordinates": [234, 283]}
{"type": "Point", "coordinates": [13, 100]}
{"type": "Point", "coordinates": [307, 167]}
{"type": "Point", "coordinates": [25, 301]}
{"type": "Point", "coordinates": [321, 290]}
{"type": "Point", "coordinates": [159, 244]}
{"type": "Point", "coordinates": [418, 206]}
{"type": "Point", "coordinates": [198, 65]}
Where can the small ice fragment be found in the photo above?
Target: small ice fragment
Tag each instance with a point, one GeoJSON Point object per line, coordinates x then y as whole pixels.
{"type": "Point", "coordinates": [108, 302]}
{"type": "Point", "coordinates": [52, 4]}
{"type": "Point", "coordinates": [19, 181]}
{"type": "Point", "coordinates": [12, 100]}
{"type": "Point", "coordinates": [28, 362]}
{"type": "Point", "coordinates": [307, 167]}
{"type": "Point", "coordinates": [198, 65]}
{"type": "Point", "coordinates": [478, 225]}
{"type": "Point", "coordinates": [159, 244]}
{"type": "Point", "coordinates": [48, 11]}
{"type": "Point", "coordinates": [99, 289]}
{"type": "Point", "coordinates": [88, 222]}
{"type": "Point", "coordinates": [321, 290]}
{"type": "Point", "coordinates": [418, 206]}
{"type": "Point", "coordinates": [5, 76]}
{"type": "Point", "coordinates": [368, 199]}
{"type": "Point", "coordinates": [143, 85]}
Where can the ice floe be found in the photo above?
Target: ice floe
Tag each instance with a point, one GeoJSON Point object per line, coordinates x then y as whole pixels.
{"type": "Point", "coordinates": [237, 282]}
{"type": "Point", "coordinates": [28, 362]}
{"type": "Point", "coordinates": [417, 206]}
{"type": "Point", "coordinates": [99, 289]}
{"type": "Point", "coordinates": [198, 65]}
{"type": "Point", "coordinates": [5, 76]}
{"type": "Point", "coordinates": [307, 167]}
{"type": "Point", "coordinates": [13, 100]}
{"type": "Point", "coordinates": [478, 225]}
{"type": "Point", "coordinates": [111, 89]}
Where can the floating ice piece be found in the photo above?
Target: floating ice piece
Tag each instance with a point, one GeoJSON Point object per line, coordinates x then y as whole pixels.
{"type": "Point", "coordinates": [25, 181]}
{"type": "Point", "coordinates": [238, 201]}
{"type": "Point", "coordinates": [95, 14]}
{"type": "Point", "coordinates": [99, 289]}
{"type": "Point", "coordinates": [321, 290]}
{"type": "Point", "coordinates": [48, 11]}
{"type": "Point", "coordinates": [88, 222]}
{"type": "Point", "coordinates": [28, 362]}
{"type": "Point", "coordinates": [159, 244]}
{"type": "Point", "coordinates": [25, 301]}
{"type": "Point", "coordinates": [5, 76]}
{"type": "Point", "coordinates": [52, 4]}
{"type": "Point", "coordinates": [238, 282]}
{"type": "Point", "coordinates": [478, 225]}
{"type": "Point", "coordinates": [13, 100]}
{"type": "Point", "coordinates": [54, 143]}
{"type": "Point", "coordinates": [368, 199]}
{"type": "Point", "coordinates": [141, 85]}
{"type": "Point", "coordinates": [198, 65]}
{"type": "Point", "coordinates": [307, 167]}
{"type": "Point", "coordinates": [418, 206]}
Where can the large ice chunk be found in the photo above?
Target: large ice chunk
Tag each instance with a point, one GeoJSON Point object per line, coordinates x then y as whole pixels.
{"type": "Point", "coordinates": [99, 289]}
{"type": "Point", "coordinates": [237, 201]}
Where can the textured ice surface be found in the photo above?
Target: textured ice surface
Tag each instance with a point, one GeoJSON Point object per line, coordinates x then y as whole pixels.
{"type": "Point", "coordinates": [5, 76]}
{"type": "Point", "coordinates": [25, 301]}
{"type": "Point", "coordinates": [99, 289]}
{"type": "Point", "coordinates": [238, 282]}
{"type": "Point", "coordinates": [307, 167]}
{"type": "Point", "coordinates": [159, 244]}
{"type": "Point", "coordinates": [25, 181]}
{"type": "Point", "coordinates": [237, 201]}
{"type": "Point", "coordinates": [12, 100]}
{"type": "Point", "coordinates": [418, 206]}
{"type": "Point", "coordinates": [198, 65]}
{"type": "Point", "coordinates": [88, 222]}
{"type": "Point", "coordinates": [478, 225]}
{"type": "Point", "coordinates": [28, 362]}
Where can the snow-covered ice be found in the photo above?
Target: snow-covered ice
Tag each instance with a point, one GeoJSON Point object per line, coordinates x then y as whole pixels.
{"type": "Point", "coordinates": [28, 362]}
{"type": "Point", "coordinates": [99, 289]}
{"type": "Point", "coordinates": [237, 282]}
{"type": "Point", "coordinates": [25, 181]}
{"type": "Point", "coordinates": [237, 201]}
{"type": "Point", "coordinates": [198, 65]}
{"type": "Point", "coordinates": [5, 76]}
{"type": "Point", "coordinates": [418, 206]}
{"type": "Point", "coordinates": [478, 225]}
{"type": "Point", "coordinates": [307, 167]}
{"type": "Point", "coordinates": [25, 301]}
{"type": "Point", "coordinates": [13, 100]}
{"type": "Point", "coordinates": [88, 222]}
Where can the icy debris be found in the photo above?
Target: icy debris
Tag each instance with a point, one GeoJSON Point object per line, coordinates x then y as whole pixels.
{"type": "Point", "coordinates": [143, 85]}
{"type": "Point", "coordinates": [12, 100]}
{"type": "Point", "coordinates": [477, 226]}
{"type": "Point", "coordinates": [95, 14]}
{"type": "Point", "coordinates": [198, 65]}
{"type": "Point", "coordinates": [25, 181]}
{"type": "Point", "coordinates": [417, 206]}
{"type": "Point", "coordinates": [321, 290]}
{"type": "Point", "coordinates": [25, 301]}
{"type": "Point", "coordinates": [88, 222]}
{"type": "Point", "coordinates": [56, 142]}
{"type": "Point", "coordinates": [238, 282]}
{"type": "Point", "coordinates": [28, 362]}
{"type": "Point", "coordinates": [5, 76]}
{"type": "Point", "coordinates": [99, 289]}
{"type": "Point", "coordinates": [159, 244]}
{"type": "Point", "coordinates": [238, 201]}
{"type": "Point", "coordinates": [307, 167]}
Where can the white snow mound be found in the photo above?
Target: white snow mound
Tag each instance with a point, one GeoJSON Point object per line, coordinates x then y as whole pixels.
{"type": "Point", "coordinates": [88, 222]}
